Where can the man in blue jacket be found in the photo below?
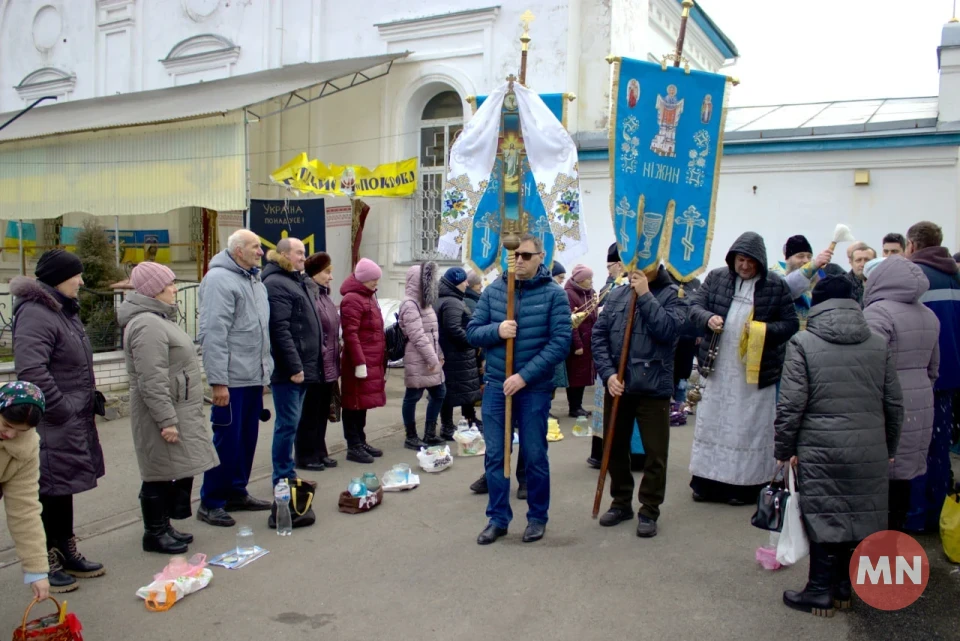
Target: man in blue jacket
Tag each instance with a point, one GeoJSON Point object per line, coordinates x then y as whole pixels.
{"type": "Point", "coordinates": [645, 392]}
{"type": "Point", "coordinates": [928, 492]}
{"type": "Point", "coordinates": [542, 334]}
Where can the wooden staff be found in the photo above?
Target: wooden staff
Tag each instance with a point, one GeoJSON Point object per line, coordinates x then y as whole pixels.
{"type": "Point", "coordinates": [510, 242]}
{"type": "Point", "coordinates": [631, 308]}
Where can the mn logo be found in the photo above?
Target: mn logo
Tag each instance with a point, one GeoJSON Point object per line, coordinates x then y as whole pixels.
{"type": "Point", "coordinates": [889, 570]}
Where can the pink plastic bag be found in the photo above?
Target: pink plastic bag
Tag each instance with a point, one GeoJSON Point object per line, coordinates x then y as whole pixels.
{"type": "Point", "coordinates": [180, 566]}
{"type": "Point", "coordinates": [767, 558]}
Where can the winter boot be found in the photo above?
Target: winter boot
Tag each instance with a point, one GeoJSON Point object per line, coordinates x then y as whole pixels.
{"type": "Point", "coordinates": [413, 441]}
{"type": "Point", "coordinates": [75, 564]}
{"type": "Point", "coordinates": [183, 537]}
{"type": "Point", "coordinates": [357, 454]}
{"type": "Point", "coordinates": [841, 589]}
{"type": "Point", "coordinates": [156, 537]}
{"type": "Point", "coordinates": [430, 434]}
{"type": "Point", "coordinates": [480, 485]}
{"type": "Point", "coordinates": [60, 581]}
{"type": "Point", "coordinates": [447, 431]}
{"type": "Point", "coordinates": [816, 597]}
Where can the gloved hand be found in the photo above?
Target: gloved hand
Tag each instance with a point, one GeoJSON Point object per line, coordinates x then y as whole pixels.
{"type": "Point", "coordinates": [360, 371]}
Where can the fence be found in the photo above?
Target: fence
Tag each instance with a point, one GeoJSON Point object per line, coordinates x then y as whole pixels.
{"type": "Point", "coordinates": [126, 265]}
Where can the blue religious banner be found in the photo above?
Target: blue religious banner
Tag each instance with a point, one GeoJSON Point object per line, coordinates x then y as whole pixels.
{"type": "Point", "coordinates": [665, 148]}
{"type": "Point", "coordinates": [273, 220]}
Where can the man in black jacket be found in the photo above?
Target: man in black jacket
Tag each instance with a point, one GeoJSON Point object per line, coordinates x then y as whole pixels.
{"type": "Point", "coordinates": [295, 339]}
{"type": "Point", "coordinates": [645, 393]}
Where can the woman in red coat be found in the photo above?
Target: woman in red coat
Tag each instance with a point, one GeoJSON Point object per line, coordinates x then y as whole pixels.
{"type": "Point", "coordinates": [364, 360]}
{"type": "Point", "coordinates": [580, 371]}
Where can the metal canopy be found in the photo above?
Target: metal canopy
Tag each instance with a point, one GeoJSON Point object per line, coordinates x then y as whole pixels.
{"type": "Point", "coordinates": [199, 100]}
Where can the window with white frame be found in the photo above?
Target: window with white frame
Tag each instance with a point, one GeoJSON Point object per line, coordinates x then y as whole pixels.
{"type": "Point", "coordinates": [441, 121]}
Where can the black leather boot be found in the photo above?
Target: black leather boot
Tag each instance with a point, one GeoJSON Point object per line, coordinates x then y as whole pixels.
{"type": "Point", "coordinates": [60, 581]}
{"type": "Point", "coordinates": [430, 435]}
{"type": "Point", "coordinates": [183, 537]}
{"type": "Point", "coordinates": [358, 454]}
{"type": "Point", "coordinates": [480, 485]}
{"type": "Point", "coordinates": [447, 431]}
{"type": "Point", "coordinates": [75, 564]}
{"type": "Point", "coordinates": [816, 597]}
{"type": "Point", "coordinates": [413, 441]}
{"type": "Point", "coordinates": [156, 537]}
{"type": "Point", "coordinates": [841, 590]}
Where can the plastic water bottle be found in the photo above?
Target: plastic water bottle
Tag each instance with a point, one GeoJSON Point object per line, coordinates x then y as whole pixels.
{"type": "Point", "coordinates": [581, 427]}
{"type": "Point", "coordinates": [463, 425]}
{"type": "Point", "coordinates": [281, 496]}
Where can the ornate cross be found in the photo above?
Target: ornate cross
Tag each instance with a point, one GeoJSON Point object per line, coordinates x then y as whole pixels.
{"type": "Point", "coordinates": [488, 222]}
{"type": "Point", "coordinates": [691, 218]}
{"type": "Point", "coordinates": [625, 212]}
{"type": "Point", "coordinates": [541, 228]}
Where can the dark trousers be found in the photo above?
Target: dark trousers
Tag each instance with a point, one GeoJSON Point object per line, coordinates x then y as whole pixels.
{"type": "Point", "coordinates": [434, 403]}
{"type": "Point", "coordinates": [175, 494]}
{"type": "Point", "coordinates": [235, 431]}
{"type": "Point", "coordinates": [311, 441]}
{"type": "Point", "coordinates": [899, 503]}
{"type": "Point", "coordinates": [653, 417]}
{"type": "Point", "coordinates": [354, 423]}
{"type": "Point", "coordinates": [575, 398]}
{"type": "Point", "coordinates": [57, 517]}
{"type": "Point", "coordinates": [468, 412]}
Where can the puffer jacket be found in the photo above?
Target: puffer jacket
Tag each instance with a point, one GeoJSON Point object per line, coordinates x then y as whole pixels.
{"type": "Point", "coordinates": [892, 310]}
{"type": "Point", "coordinates": [52, 351]}
{"type": "Point", "coordinates": [772, 304]}
{"type": "Point", "coordinates": [580, 372]}
{"type": "Point", "coordinates": [234, 325]}
{"type": "Point", "coordinates": [542, 313]}
{"type": "Point", "coordinates": [840, 411]}
{"type": "Point", "coordinates": [330, 329]}
{"type": "Point", "coordinates": [364, 343]}
{"type": "Point", "coordinates": [418, 320]}
{"type": "Point", "coordinates": [943, 298]}
{"type": "Point", "coordinates": [295, 332]}
{"type": "Point", "coordinates": [166, 388]}
{"type": "Point", "coordinates": [459, 356]}
{"type": "Point", "coordinates": [470, 299]}
{"type": "Point", "coordinates": [659, 316]}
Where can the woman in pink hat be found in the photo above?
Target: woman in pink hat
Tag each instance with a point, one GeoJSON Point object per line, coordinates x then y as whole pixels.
{"type": "Point", "coordinates": [171, 435]}
{"type": "Point", "coordinates": [580, 369]}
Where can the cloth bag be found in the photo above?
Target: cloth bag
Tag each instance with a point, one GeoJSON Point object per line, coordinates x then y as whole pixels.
{"type": "Point", "coordinates": [950, 525]}
{"type": "Point", "coordinates": [793, 544]}
{"type": "Point", "coordinates": [302, 492]}
{"type": "Point", "coordinates": [58, 626]}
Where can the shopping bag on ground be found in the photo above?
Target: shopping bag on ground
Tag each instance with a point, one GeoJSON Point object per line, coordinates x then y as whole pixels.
{"type": "Point", "coordinates": [434, 459]}
{"type": "Point", "coordinates": [793, 544]}
{"type": "Point", "coordinates": [178, 579]}
{"type": "Point", "coordinates": [950, 525]}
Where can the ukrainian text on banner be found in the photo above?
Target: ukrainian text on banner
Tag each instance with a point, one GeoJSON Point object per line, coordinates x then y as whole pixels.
{"type": "Point", "coordinates": [392, 180]}
{"type": "Point", "coordinates": [665, 148]}
{"type": "Point", "coordinates": [274, 220]}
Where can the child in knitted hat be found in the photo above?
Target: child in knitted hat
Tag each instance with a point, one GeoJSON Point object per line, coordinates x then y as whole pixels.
{"type": "Point", "coordinates": [21, 408]}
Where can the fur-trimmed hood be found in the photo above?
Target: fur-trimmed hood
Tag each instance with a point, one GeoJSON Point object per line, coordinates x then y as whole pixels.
{"type": "Point", "coordinates": [273, 256]}
{"type": "Point", "coordinates": [422, 284]}
{"type": "Point", "coordinates": [25, 289]}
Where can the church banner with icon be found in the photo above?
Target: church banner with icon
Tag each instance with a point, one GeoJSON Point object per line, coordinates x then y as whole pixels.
{"type": "Point", "coordinates": [665, 148]}
{"type": "Point", "coordinates": [523, 183]}
{"type": "Point", "coordinates": [305, 219]}
{"type": "Point", "coordinates": [392, 180]}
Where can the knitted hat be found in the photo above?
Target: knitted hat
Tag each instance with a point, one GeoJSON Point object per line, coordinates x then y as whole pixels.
{"type": "Point", "coordinates": [613, 254]}
{"type": "Point", "coordinates": [871, 265]}
{"type": "Point", "coordinates": [832, 287]}
{"type": "Point", "coordinates": [558, 268]}
{"type": "Point", "coordinates": [367, 270]}
{"type": "Point", "coordinates": [795, 245]}
{"type": "Point", "coordinates": [20, 392]}
{"type": "Point", "coordinates": [582, 273]}
{"type": "Point", "coordinates": [316, 263]}
{"type": "Point", "coordinates": [149, 279]}
{"type": "Point", "coordinates": [455, 275]}
{"type": "Point", "coordinates": [57, 266]}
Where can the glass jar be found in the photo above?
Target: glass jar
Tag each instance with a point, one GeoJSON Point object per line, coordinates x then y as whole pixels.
{"type": "Point", "coordinates": [403, 471]}
{"type": "Point", "coordinates": [357, 488]}
{"type": "Point", "coordinates": [371, 481]}
{"type": "Point", "coordinates": [245, 543]}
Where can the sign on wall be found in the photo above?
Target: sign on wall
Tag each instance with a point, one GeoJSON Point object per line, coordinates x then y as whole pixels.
{"type": "Point", "coordinates": [273, 220]}
{"type": "Point", "coordinates": [394, 180]}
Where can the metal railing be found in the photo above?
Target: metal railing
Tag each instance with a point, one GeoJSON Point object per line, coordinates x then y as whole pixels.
{"type": "Point", "coordinates": [126, 265]}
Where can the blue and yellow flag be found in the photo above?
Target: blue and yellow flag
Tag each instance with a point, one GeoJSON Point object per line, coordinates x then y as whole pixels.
{"type": "Point", "coordinates": [666, 141]}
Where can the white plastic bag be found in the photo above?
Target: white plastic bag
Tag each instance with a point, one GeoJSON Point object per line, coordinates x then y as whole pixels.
{"type": "Point", "coordinates": [435, 459]}
{"type": "Point", "coordinates": [793, 544]}
{"type": "Point", "coordinates": [178, 579]}
{"type": "Point", "coordinates": [470, 442]}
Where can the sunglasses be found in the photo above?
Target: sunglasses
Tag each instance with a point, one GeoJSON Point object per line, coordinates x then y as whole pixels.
{"type": "Point", "coordinates": [526, 256]}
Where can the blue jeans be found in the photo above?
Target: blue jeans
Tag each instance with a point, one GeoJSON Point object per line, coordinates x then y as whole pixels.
{"type": "Point", "coordinates": [288, 404]}
{"type": "Point", "coordinates": [235, 431]}
{"type": "Point", "coordinates": [530, 412]}
{"type": "Point", "coordinates": [413, 395]}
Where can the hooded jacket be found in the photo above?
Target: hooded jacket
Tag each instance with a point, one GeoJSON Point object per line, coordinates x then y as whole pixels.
{"type": "Point", "coordinates": [943, 298]}
{"type": "Point", "coordinates": [459, 356]}
{"type": "Point", "coordinates": [542, 313]}
{"type": "Point", "coordinates": [52, 351]}
{"type": "Point", "coordinates": [234, 326]}
{"type": "Point", "coordinates": [772, 304]}
{"type": "Point", "coordinates": [418, 320]}
{"type": "Point", "coordinates": [19, 478]}
{"type": "Point", "coordinates": [295, 332]}
{"type": "Point", "coordinates": [840, 410]}
{"type": "Point", "coordinates": [892, 310]}
{"type": "Point", "coordinates": [166, 389]}
{"type": "Point", "coordinates": [364, 343]}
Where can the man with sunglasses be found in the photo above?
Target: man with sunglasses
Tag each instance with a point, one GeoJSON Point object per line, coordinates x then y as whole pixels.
{"type": "Point", "coordinates": [542, 334]}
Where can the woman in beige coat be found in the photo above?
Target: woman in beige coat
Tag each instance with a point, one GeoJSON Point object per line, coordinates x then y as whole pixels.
{"type": "Point", "coordinates": [172, 437]}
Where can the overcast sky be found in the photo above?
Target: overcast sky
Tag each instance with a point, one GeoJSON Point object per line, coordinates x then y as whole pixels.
{"type": "Point", "coordinates": [832, 49]}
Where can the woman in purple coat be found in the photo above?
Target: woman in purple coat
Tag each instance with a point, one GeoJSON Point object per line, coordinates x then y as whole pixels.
{"type": "Point", "coordinates": [580, 370]}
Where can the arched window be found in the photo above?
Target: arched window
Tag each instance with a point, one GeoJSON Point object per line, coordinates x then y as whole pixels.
{"type": "Point", "coordinates": [440, 122]}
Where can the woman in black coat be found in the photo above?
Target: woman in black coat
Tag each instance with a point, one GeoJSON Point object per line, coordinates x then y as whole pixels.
{"type": "Point", "coordinates": [460, 358]}
{"type": "Point", "coordinates": [51, 350]}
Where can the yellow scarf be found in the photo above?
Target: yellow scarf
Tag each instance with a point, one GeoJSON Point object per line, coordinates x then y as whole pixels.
{"type": "Point", "coordinates": [751, 348]}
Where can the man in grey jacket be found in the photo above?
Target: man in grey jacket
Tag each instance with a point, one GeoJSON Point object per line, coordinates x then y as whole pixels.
{"type": "Point", "coordinates": [235, 335]}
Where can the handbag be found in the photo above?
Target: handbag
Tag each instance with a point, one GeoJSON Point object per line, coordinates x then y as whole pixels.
{"type": "Point", "coordinates": [771, 503]}
{"type": "Point", "coordinates": [99, 403]}
{"type": "Point", "coordinates": [793, 544]}
{"type": "Point", "coordinates": [301, 504]}
{"type": "Point", "coordinates": [336, 404]}
{"type": "Point", "coordinates": [58, 626]}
